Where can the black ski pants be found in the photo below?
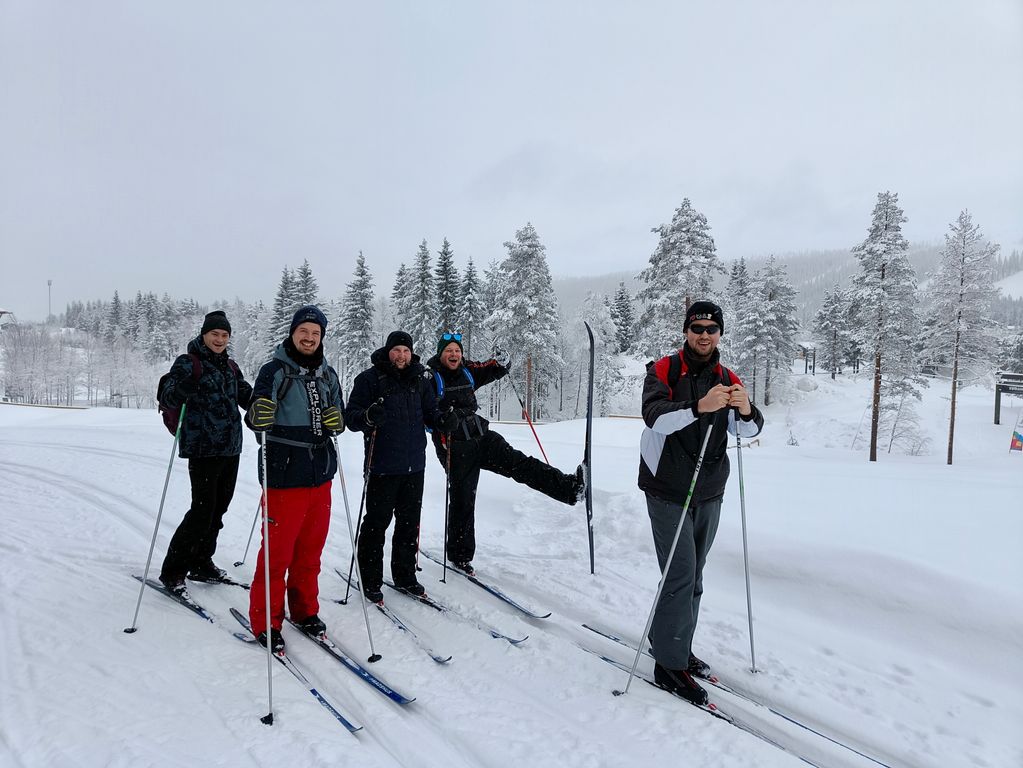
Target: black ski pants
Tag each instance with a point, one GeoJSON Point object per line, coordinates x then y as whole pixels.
{"type": "Point", "coordinates": [194, 542]}
{"type": "Point", "coordinates": [491, 452]}
{"type": "Point", "coordinates": [387, 496]}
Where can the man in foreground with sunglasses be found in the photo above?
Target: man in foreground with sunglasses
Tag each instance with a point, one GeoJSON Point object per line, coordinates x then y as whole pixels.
{"type": "Point", "coordinates": [685, 394]}
{"type": "Point", "coordinates": [473, 447]}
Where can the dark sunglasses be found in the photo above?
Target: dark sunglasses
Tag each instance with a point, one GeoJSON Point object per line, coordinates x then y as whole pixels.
{"type": "Point", "coordinates": [452, 337]}
{"type": "Point", "coordinates": [710, 330]}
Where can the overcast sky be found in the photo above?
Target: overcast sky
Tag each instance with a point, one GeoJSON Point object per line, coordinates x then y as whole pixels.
{"type": "Point", "coordinates": [198, 147]}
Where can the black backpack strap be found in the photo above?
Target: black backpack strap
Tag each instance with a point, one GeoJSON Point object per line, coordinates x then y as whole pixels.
{"type": "Point", "coordinates": [674, 369]}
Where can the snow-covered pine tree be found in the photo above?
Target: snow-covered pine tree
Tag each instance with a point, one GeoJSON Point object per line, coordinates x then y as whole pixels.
{"type": "Point", "coordinates": [447, 290]}
{"type": "Point", "coordinates": [284, 307]}
{"type": "Point", "coordinates": [778, 309]}
{"type": "Point", "coordinates": [525, 318]}
{"type": "Point", "coordinates": [1010, 354]}
{"type": "Point", "coordinates": [744, 341]}
{"type": "Point", "coordinates": [112, 322]}
{"type": "Point", "coordinates": [305, 289]}
{"type": "Point", "coordinates": [624, 318]}
{"type": "Point", "coordinates": [681, 271]}
{"type": "Point", "coordinates": [607, 372]}
{"type": "Point", "coordinates": [401, 297]}
{"type": "Point", "coordinates": [832, 331]}
{"type": "Point", "coordinates": [422, 310]}
{"type": "Point", "coordinates": [355, 328]}
{"type": "Point", "coordinates": [885, 301]}
{"type": "Point", "coordinates": [471, 308]}
{"type": "Point", "coordinates": [962, 294]}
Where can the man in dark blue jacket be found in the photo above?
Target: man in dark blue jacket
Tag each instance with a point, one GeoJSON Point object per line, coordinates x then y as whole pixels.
{"type": "Point", "coordinates": [390, 402]}
{"type": "Point", "coordinates": [212, 389]}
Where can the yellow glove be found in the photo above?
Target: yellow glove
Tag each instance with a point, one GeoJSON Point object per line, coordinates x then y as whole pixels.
{"type": "Point", "coordinates": [332, 420]}
{"type": "Point", "coordinates": [262, 413]}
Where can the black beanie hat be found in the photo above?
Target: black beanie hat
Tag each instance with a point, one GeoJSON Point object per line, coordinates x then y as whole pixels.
{"type": "Point", "coordinates": [215, 321]}
{"type": "Point", "coordinates": [398, 339]}
{"type": "Point", "coordinates": [442, 343]}
{"type": "Point", "coordinates": [309, 314]}
{"type": "Point", "coordinates": [704, 310]}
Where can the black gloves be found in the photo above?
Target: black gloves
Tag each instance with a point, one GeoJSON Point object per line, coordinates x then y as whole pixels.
{"type": "Point", "coordinates": [262, 413]}
{"type": "Point", "coordinates": [448, 422]}
{"type": "Point", "coordinates": [186, 388]}
{"type": "Point", "coordinates": [332, 420]}
{"type": "Point", "coordinates": [375, 413]}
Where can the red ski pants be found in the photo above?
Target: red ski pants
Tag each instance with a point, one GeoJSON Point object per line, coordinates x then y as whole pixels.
{"type": "Point", "coordinates": [298, 520]}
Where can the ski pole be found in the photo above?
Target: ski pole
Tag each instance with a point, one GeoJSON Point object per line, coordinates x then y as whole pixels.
{"type": "Point", "coordinates": [252, 530]}
{"type": "Point", "coordinates": [268, 719]}
{"type": "Point", "coordinates": [373, 655]}
{"type": "Point", "coordinates": [159, 514]}
{"type": "Point", "coordinates": [667, 563]}
{"type": "Point", "coordinates": [447, 506]}
{"type": "Point", "coordinates": [358, 525]}
{"type": "Point", "coordinates": [745, 550]}
{"type": "Point", "coordinates": [529, 421]}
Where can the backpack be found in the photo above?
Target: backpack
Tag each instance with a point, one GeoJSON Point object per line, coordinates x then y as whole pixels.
{"type": "Point", "coordinates": [171, 416]}
{"type": "Point", "coordinates": [675, 371]}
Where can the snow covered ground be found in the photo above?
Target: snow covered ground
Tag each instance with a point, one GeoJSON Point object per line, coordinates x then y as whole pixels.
{"type": "Point", "coordinates": [888, 602]}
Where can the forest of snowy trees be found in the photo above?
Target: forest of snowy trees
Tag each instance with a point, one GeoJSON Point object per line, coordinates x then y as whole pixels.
{"type": "Point", "coordinates": [111, 352]}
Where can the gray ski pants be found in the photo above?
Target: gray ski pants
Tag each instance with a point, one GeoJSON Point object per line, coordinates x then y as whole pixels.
{"type": "Point", "coordinates": [671, 634]}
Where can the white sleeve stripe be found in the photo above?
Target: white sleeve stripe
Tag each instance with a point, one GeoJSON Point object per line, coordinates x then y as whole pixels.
{"type": "Point", "coordinates": [673, 421]}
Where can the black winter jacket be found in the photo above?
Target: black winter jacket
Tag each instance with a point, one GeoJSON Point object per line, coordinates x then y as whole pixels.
{"type": "Point", "coordinates": [457, 390]}
{"type": "Point", "coordinates": [670, 445]}
{"type": "Point", "coordinates": [212, 425]}
{"type": "Point", "coordinates": [409, 403]}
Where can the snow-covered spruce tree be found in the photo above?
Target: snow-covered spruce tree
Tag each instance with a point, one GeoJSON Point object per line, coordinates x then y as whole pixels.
{"type": "Point", "coordinates": [255, 325]}
{"type": "Point", "coordinates": [525, 318]}
{"type": "Point", "coordinates": [305, 288]}
{"type": "Point", "coordinates": [778, 308]}
{"type": "Point", "coordinates": [284, 307]}
{"type": "Point", "coordinates": [887, 325]}
{"type": "Point", "coordinates": [355, 326]}
{"type": "Point", "coordinates": [744, 339]}
{"type": "Point", "coordinates": [624, 318]}
{"type": "Point", "coordinates": [681, 271]}
{"type": "Point", "coordinates": [401, 298]}
{"type": "Point", "coordinates": [471, 308]}
{"type": "Point", "coordinates": [112, 322]}
{"type": "Point", "coordinates": [447, 290]}
{"type": "Point", "coordinates": [831, 330]}
{"type": "Point", "coordinates": [422, 309]}
{"type": "Point", "coordinates": [962, 294]}
{"type": "Point", "coordinates": [1010, 354]}
{"type": "Point", "coordinates": [607, 372]}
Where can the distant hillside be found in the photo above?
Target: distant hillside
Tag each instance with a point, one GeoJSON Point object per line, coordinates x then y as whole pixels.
{"type": "Point", "coordinates": [811, 273]}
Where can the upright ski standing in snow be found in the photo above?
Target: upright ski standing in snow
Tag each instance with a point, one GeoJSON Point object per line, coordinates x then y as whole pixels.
{"type": "Point", "coordinates": [587, 452]}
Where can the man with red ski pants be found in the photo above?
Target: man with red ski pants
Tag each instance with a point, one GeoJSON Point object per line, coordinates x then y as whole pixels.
{"type": "Point", "coordinates": [297, 407]}
{"type": "Point", "coordinates": [685, 394]}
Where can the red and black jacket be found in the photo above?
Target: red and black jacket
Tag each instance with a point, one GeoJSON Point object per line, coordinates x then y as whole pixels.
{"type": "Point", "coordinates": [670, 444]}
